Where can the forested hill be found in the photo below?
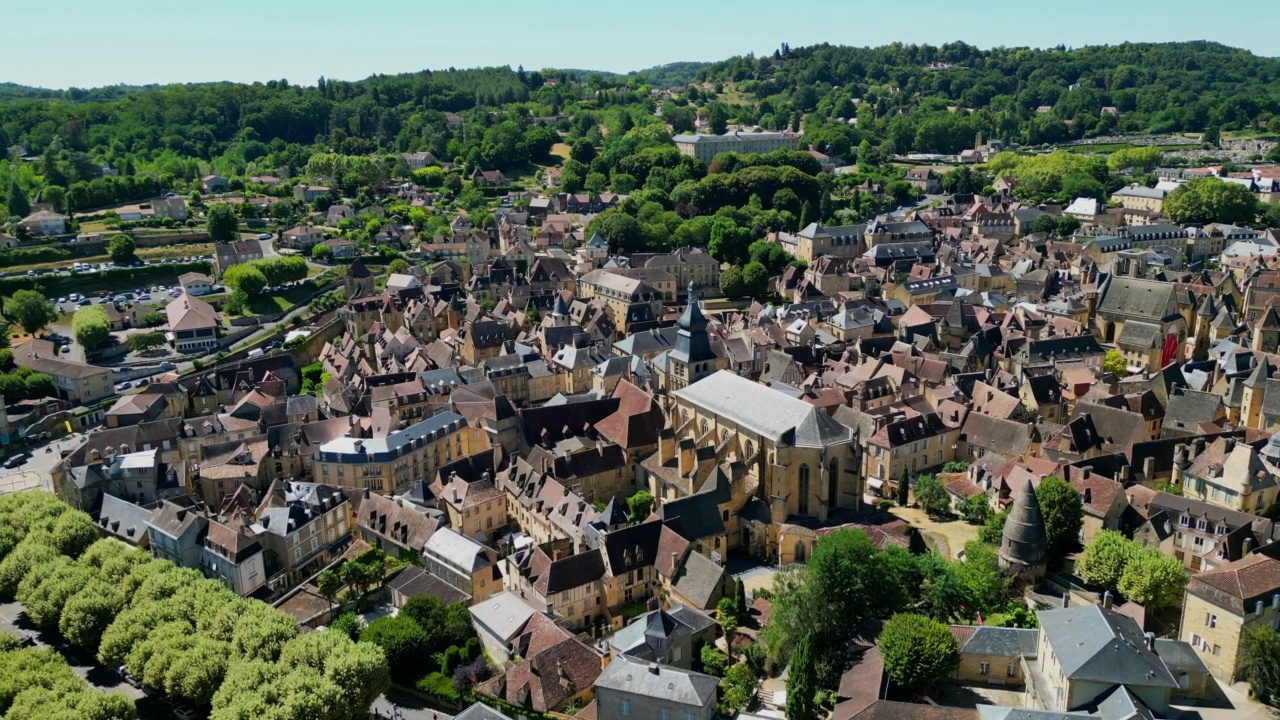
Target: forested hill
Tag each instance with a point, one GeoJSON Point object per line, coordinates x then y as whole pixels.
{"type": "Point", "coordinates": [1165, 87]}
{"type": "Point", "coordinates": [896, 98]}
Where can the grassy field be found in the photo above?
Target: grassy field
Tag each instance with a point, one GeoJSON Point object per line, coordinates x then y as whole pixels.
{"type": "Point", "coordinates": [561, 149]}
{"type": "Point", "coordinates": [280, 302]}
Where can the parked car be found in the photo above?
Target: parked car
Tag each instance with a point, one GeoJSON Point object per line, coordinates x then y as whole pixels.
{"type": "Point", "coordinates": [86, 301]}
{"type": "Point", "coordinates": [168, 366]}
{"type": "Point", "coordinates": [123, 672]}
{"type": "Point", "coordinates": [184, 712]}
{"type": "Point", "coordinates": [26, 639]}
{"type": "Point", "coordinates": [124, 386]}
{"type": "Point", "coordinates": [264, 236]}
{"type": "Point", "coordinates": [144, 296]}
{"type": "Point", "coordinates": [16, 460]}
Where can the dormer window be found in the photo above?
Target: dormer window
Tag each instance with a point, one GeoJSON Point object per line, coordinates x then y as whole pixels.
{"type": "Point", "coordinates": [1202, 524]}
{"type": "Point", "coordinates": [1221, 529]}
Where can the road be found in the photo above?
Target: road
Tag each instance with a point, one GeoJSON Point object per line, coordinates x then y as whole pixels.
{"type": "Point", "coordinates": [398, 706]}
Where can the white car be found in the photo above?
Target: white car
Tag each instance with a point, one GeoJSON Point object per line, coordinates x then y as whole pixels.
{"type": "Point", "coordinates": [74, 297]}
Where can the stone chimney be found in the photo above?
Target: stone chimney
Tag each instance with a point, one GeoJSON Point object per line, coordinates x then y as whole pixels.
{"type": "Point", "coordinates": [1106, 600]}
{"type": "Point", "coordinates": [1229, 446]}
{"type": "Point", "coordinates": [687, 453]}
{"type": "Point", "coordinates": [666, 446]}
{"type": "Point", "coordinates": [1151, 641]}
{"type": "Point", "coordinates": [1148, 468]}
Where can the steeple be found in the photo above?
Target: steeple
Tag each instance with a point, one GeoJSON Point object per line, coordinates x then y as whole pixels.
{"type": "Point", "coordinates": [1024, 539]}
{"type": "Point", "coordinates": [561, 310]}
{"type": "Point", "coordinates": [692, 319]}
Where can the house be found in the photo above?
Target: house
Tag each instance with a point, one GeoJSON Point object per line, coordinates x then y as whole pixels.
{"type": "Point", "coordinates": [214, 183]}
{"type": "Point", "coordinates": [413, 580]}
{"type": "Point", "coordinates": [233, 557]}
{"type": "Point", "coordinates": [340, 247]}
{"type": "Point", "coordinates": [550, 680]}
{"type": "Point", "coordinates": [303, 527]}
{"type": "Point", "coordinates": [488, 178]}
{"type": "Point", "coordinates": [309, 193]}
{"type": "Point", "coordinates": [394, 525]}
{"type": "Point", "coordinates": [993, 655]}
{"type": "Point", "coordinates": [124, 521]}
{"type": "Point", "coordinates": [419, 160]}
{"type": "Point", "coordinates": [639, 690]}
{"type": "Point", "coordinates": [302, 237]}
{"type": "Point", "coordinates": [666, 637]}
{"type": "Point", "coordinates": [76, 382]}
{"type": "Point", "coordinates": [498, 621]}
{"type": "Point", "coordinates": [463, 563]}
{"type": "Point", "coordinates": [1140, 197]}
{"type": "Point", "coordinates": [44, 222]}
{"type": "Point", "coordinates": [1221, 604]}
{"type": "Point", "coordinates": [1086, 651]}
{"type": "Point", "coordinates": [194, 283]}
{"type": "Point", "coordinates": [193, 324]}
{"type": "Point", "coordinates": [234, 253]}
{"type": "Point", "coordinates": [1198, 534]}
{"type": "Point", "coordinates": [176, 530]}
{"type": "Point", "coordinates": [925, 180]}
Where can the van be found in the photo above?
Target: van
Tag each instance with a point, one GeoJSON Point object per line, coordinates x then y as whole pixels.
{"type": "Point", "coordinates": [256, 352]}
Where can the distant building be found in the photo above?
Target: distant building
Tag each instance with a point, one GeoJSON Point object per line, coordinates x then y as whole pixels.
{"type": "Point", "coordinates": [706, 147]}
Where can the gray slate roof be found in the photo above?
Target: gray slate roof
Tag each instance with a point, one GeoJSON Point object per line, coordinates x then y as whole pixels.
{"type": "Point", "coordinates": [1095, 644]}
{"type": "Point", "coordinates": [683, 687]}
{"type": "Point", "coordinates": [1002, 642]}
{"type": "Point", "coordinates": [741, 400]}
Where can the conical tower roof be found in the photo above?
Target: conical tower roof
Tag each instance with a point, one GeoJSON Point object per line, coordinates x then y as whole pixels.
{"type": "Point", "coordinates": [1024, 539]}
{"type": "Point", "coordinates": [1259, 376]}
{"type": "Point", "coordinates": [560, 309]}
{"type": "Point", "coordinates": [1207, 308]}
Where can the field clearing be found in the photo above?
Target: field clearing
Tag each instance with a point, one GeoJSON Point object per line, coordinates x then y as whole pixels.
{"type": "Point", "coordinates": [561, 149]}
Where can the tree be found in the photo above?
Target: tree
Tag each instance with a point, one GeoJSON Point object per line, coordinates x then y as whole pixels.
{"type": "Point", "coordinates": [714, 662]}
{"type": "Point", "coordinates": [932, 496]}
{"type": "Point", "coordinates": [91, 325]}
{"type": "Point", "coordinates": [31, 309]}
{"type": "Point", "coordinates": [1063, 513]}
{"type": "Point", "coordinates": [142, 342]}
{"type": "Point", "coordinates": [154, 319]}
{"type": "Point", "coordinates": [918, 652]}
{"type": "Point", "coordinates": [984, 583]}
{"type": "Point", "coordinates": [639, 506]}
{"type": "Point", "coordinates": [18, 204]}
{"type": "Point", "coordinates": [1211, 199]}
{"type": "Point", "coordinates": [122, 249]}
{"type": "Point", "coordinates": [405, 644]}
{"type": "Point", "coordinates": [1113, 362]}
{"type": "Point", "coordinates": [1105, 558]}
{"type": "Point", "coordinates": [735, 690]}
{"type": "Point", "coordinates": [222, 223]}
{"type": "Point", "coordinates": [1153, 579]}
{"type": "Point", "coordinates": [245, 278]}
{"type": "Point", "coordinates": [803, 681]}
{"type": "Point", "coordinates": [348, 624]}
{"type": "Point", "coordinates": [1259, 659]}
{"type": "Point", "coordinates": [329, 584]}
{"type": "Point", "coordinates": [398, 265]}
{"type": "Point", "coordinates": [976, 509]}
{"type": "Point", "coordinates": [755, 278]}
{"type": "Point", "coordinates": [729, 243]}
{"type": "Point", "coordinates": [55, 196]}
{"type": "Point", "coordinates": [583, 151]}
{"type": "Point", "coordinates": [1045, 223]}
{"type": "Point", "coordinates": [740, 593]}
{"type": "Point", "coordinates": [904, 489]}
{"type": "Point", "coordinates": [731, 283]}
{"type": "Point", "coordinates": [321, 252]}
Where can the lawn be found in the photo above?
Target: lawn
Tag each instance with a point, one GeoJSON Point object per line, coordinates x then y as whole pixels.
{"type": "Point", "coordinates": [561, 149]}
{"type": "Point", "coordinates": [279, 302]}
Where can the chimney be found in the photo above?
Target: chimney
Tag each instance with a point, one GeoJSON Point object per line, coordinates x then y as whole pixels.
{"type": "Point", "coordinates": [1148, 468]}
{"type": "Point", "coordinates": [1198, 447]}
{"type": "Point", "coordinates": [653, 668]}
{"type": "Point", "coordinates": [1246, 547]}
{"type": "Point", "coordinates": [675, 558]}
{"type": "Point", "coordinates": [686, 465]}
{"type": "Point", "coordinates": [555, 556]}
{"type": "Point", "coordinates": [1151, 641]}
{"type": "Point", "coordinates": [1124, 474]}
{"type": "Point", "coordinates": [1229, 446]}
{"type": "Point", "coordinates": [1088, 495]}
{"type": "Point", "coordinates": [1066, 599]}
{"type": "Point", "coordinates": [1106, 600]}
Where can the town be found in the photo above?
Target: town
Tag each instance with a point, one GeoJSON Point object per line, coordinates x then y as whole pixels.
{"type": "Point", "coordinates": [603, 397]}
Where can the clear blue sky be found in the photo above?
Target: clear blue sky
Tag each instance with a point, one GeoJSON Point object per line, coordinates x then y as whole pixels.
{"type": "Point", "coordinates": [88, 43]}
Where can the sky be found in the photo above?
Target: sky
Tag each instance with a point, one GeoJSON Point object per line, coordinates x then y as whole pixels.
{"type": "Point", "coordinates": [89, 43]}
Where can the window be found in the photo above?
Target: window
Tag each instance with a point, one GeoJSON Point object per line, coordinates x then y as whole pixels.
{"type": "Point", "coordinates": [1012, 670]}
{"type": "Point", "coordinates": [665, 715]}
{"type": "Point", "coordinates": [986, 668]}
{"type": "Point", "coordinates": [804, 489]}
{"type": "Point", "coordinates": [1201, 524]}
{"type": "Point", "coordinates": [625, 710]}
{"type": "Point", "coordinates": [1196, 641]}
{"type": "Point", "coordinates": [1217, 649]}
{"type": "Point", "coordinates": [1184, 521]}
{"type": "Point", "coordinates": [1210, 620]}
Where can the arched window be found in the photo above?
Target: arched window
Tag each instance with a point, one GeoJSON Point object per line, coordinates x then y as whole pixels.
{"type": "Point", "coordinates": [804, 489]}
{"type": "Point", "coordinates": [705, 426]}
{"type": "Point", "coordinates": [684, 415]}
{"type": "Point", "coordinates": [801, 552]}
{"type": "Point", "coordinates": [750, 449]}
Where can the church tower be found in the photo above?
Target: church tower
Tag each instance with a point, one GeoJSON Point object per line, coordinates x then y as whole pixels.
{"type": "Point", "coordinates": [692, 359]}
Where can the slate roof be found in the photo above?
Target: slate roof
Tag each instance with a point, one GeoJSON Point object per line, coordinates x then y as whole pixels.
{"type": "Point", "coordinates": [122, 519]}
{"type": "Point", "coordinates": [1002, 642]}
{"type": "Point", "coordinates": [1096, 644]}
{"type": "Point", "coordinates": [660, 682]}
{"type": "Point", "coordinates": [1136, 298]}
{"type": "Point", "coordinates": [694, 517]}
{"type": "Point", "coordinates": [735, 397]}
{"type": "Point", "coordinates": [698, 580]}
{"type": "Point", "coordinates": [414, 580]}
{"type": "Point", "coordinates": [1140, 335]}
{"type": "Point", "coordinates": [1007, 437]}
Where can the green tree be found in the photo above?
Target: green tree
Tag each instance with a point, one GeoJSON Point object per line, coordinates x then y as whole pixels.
{"type": "Point", "coordinates": [1259, 659]}
{"type": "Point", "coordinates": [1105, 558]}
{"type": "Point", "coordinates": [904, 489]}
{"type": "Point", "coordinates": [714, 662]}
{"type": "Point", "coordinates": [976, 509]}
{"type": "Point", "coordinates": [803, 681]}
{"type": "Point", "coordinates": [123, 249]}
{"type": "Point", "coordinates": [154, 319]}
{"type": "Point", "coordinates": [91, 325]}
{"type": "Point", "coordinates": [729, 243]}
{"type": "Point", "coordinates": [330, 584]}
{"type": "Point", "coordinates": [142, 342]}
{"type": "Point", "coordinates": [583, 151]}
{"type": "Point", "coordinates": [222, 223]}
{"type": "Point", "coordinates": [932, 496]}
{"type": "Point", "coordinates": [984, 582]}
{"type": "Point", "coordinates": [755, 278]}
{"type": "Point", "coordinates": [731, 283]}
{"type": "Point", "coordinates": [1113, 362]}
{"type": "Point", "coordinates": [399, 265]}
{"type": "Point", "coordinates": [31, 310]}
{"type": "Point", "coordinates": [639, 506]}
{"type": "Point", "coordinates": [349, 624]}
{"type": "Point", "coordinates": [404, 643]}
{"type": "Point", "coordinates": [736, 689]}
{"type": "Point", "coordinates": [1063, 513]}
{"type": "Point", "coordinates": [1045, 223]}
{"type": "Point", "coordinates": [321, 253]}
{"type": "Point", "coordinates": [1211, 199]}
{"type": "Point", "coordinates": [1153, 579]}
{"type": "Point", "coordinates": [727, 617]}
{"type": "Point", "coordinates": [55, 196]}
{"type": "Point", "coordinates": [918, 652]}
{"type": "Point", "coordinates": [18, 204]}
{"type": "Point", "coordinates": [245, 278]}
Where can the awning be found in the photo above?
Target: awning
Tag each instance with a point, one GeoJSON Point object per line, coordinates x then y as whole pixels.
{"type": "Point", "coordinates": [876, 483]}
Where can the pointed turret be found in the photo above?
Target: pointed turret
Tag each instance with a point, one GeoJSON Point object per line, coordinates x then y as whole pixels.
{"type": "Point", "coordinates": [1207, 308]}
{"type": "Point", "coordinates": [1259, 376]}
{"type": "Point", "coordinates": [1024, 540]}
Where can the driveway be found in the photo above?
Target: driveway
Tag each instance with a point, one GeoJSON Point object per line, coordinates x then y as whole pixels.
{"type": "Point", "coordinates": [1229, 702]}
